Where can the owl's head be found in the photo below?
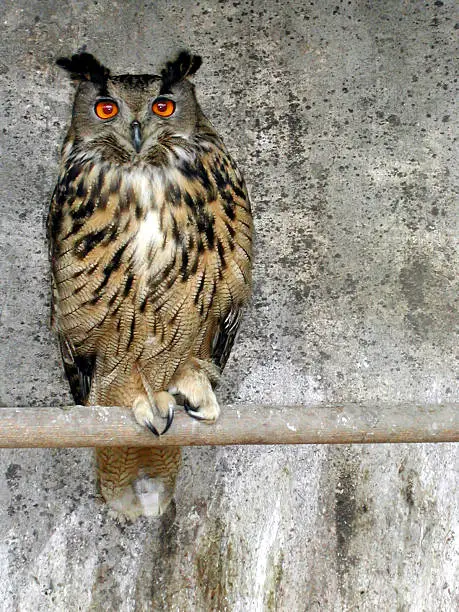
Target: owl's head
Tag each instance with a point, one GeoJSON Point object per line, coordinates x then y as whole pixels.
{"type": "Point", "coordinates": [127, 117]}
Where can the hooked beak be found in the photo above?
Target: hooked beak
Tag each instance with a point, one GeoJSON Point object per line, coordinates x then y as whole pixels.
{"type": "Point", "coordinates": [136, 135]}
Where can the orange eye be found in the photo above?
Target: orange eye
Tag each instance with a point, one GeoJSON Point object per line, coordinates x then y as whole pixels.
{"type": "Point", "coordinates": [106, 109]}
{"type": "Point", "coordinates": [163, 107]}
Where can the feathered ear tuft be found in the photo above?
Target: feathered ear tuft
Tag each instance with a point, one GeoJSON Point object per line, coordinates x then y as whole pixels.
{"type": "Point", "coordinates": [184, 66]}
{"type": "Point", "coordinates": [84, 66]}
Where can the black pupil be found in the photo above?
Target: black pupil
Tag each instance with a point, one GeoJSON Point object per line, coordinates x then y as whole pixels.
{"type": "Point", "coordinates": [162, 107]}
{"type": "Point", "coordinates": [108, 108]}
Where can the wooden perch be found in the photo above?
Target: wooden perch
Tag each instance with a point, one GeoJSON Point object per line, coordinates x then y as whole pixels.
{"type": "Point", "coordinates": [239, 424]}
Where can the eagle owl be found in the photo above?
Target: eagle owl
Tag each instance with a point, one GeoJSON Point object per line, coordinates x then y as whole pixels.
{"type": "Point", "coordinates": [150, 234]}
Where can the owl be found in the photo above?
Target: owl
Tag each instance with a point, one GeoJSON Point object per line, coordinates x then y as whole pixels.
{"type": "Point", "coordinates": [150, 232]}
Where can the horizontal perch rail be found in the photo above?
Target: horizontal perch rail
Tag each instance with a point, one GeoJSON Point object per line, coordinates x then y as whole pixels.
{"type": "Point", "coordinates": [82, 426]}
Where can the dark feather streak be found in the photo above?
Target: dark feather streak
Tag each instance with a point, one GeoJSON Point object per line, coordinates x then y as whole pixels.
{"type": "Point", "coordinates": [131, 331]}
{"type": "Point", "coordinates": [200, 288]}
{"type": "Point", "coordinates": [128, 284]}
{"type": "Point", "coordinates": [111, 267]}
{"type": "Point", "coordinates": [86, 244]}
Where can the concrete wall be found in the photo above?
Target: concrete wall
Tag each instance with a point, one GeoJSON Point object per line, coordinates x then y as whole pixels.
{"type": "Point", "coordinates": [341, 116]}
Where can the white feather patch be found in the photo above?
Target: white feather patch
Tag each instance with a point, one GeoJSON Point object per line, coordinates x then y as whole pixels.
{"type": "Point", "coordinates": [148, 187]}
{"type": "Point", "coordinates": [149, 233]}
{"type": "Point", "coordinates": [149, 250]}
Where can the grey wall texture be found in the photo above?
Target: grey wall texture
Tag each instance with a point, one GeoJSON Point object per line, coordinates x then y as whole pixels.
{"type": "Point", "coordinates": [341, 117]}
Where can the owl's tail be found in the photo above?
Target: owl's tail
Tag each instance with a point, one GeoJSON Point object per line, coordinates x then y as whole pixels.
{"type": "Point", "coordinates": [138, 481]}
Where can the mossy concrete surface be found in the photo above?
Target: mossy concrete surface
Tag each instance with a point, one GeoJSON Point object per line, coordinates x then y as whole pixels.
{"type": "Point", "coordinates": [341, 117]}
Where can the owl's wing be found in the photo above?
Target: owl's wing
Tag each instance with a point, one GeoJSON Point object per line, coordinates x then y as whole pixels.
{"type": "Point", "coordinates": [78, 369]}
{"type": "Point", "coordinates": [233, 209]}
{"type": "Point", "coordinates": [224, 338]}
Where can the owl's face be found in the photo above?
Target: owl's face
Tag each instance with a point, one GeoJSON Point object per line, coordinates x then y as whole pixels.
{"type": "Point", "coordinates": [126, 118]}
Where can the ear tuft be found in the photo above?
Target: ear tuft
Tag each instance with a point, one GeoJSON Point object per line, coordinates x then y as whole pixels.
{"type": "Point", "coordinates": [84, 66]}
{"type": "Point", "coordinates": [184, 66]}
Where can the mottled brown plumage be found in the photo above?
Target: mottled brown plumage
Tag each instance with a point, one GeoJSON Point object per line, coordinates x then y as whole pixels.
{"type": "Point", "coordinates": [150, 231]}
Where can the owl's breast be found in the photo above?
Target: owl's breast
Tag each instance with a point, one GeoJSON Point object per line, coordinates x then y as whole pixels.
{"type": "Point", "coordinates": [120, 257]}
{"type": "Point", "coordinates": [147, 260]}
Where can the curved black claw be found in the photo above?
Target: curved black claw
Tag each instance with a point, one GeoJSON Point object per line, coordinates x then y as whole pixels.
{"type": "Point", "coordinates": [193, 412]}
{"type": "Point", "coordinates": [152, 428]}
{"type": "Point", "coordinates": [170, 418]}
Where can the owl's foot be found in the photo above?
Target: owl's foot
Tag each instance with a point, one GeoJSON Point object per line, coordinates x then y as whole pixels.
{"type": "Point", "coordinates": [200, 401]}
{"type": "Point", "coordinates": [149, 412]}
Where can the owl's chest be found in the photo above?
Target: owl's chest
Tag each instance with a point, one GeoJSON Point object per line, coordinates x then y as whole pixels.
{"type": "Point", "coordinates": [137, 248]}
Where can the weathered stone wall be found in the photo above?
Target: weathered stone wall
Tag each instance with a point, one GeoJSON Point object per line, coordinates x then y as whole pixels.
{"type": "Point", "coordinates": [341, 116]}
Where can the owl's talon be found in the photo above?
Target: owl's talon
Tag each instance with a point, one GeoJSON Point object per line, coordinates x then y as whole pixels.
{"type": "Point", "coordinates": [194, 412]}
{"type": "Point", "coordinates": [189, 410]}
{"type": "Point", "coordinates": [152, 428]}
{"type": "Point", "coordinates": [170, 418]}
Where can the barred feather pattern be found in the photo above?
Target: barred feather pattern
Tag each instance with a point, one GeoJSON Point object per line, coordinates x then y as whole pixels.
{"type": "Point", "coordinates": [149, 259]}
